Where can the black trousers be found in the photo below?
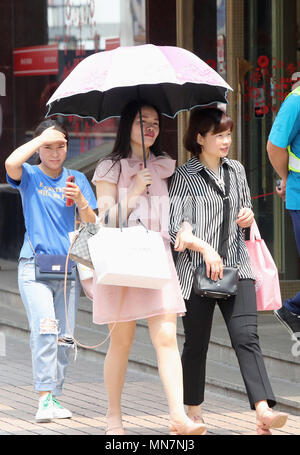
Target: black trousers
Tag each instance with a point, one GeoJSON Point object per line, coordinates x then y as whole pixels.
{"type": "Point", "coordinates": [240, 315]}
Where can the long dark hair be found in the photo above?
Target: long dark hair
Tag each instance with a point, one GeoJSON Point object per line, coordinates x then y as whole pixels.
{"type": "Point", "coordinates": [47, 124]}
{"type": "Point", "coordinates": [202, 121]}
{"type": "Point", "coordinates": [122, 147]}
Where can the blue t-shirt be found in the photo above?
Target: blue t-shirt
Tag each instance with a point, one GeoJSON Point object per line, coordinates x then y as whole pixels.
{"type": "Point", "coordinates": [286, 131]}
{"type": "Point", "coordinates": [47, 218]}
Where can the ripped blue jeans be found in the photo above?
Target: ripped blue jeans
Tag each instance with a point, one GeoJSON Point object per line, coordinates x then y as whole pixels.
{"type": "Point", "coordinates": [50, 341]}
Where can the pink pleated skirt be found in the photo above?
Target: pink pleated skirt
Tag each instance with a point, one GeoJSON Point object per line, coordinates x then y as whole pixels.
{"type": "Point", "coordinates": [116, 303]}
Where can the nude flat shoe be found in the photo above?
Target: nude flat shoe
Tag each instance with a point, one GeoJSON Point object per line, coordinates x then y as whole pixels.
{"type": "Point", "coordinates": [270, 419]}
{"type": "Point", "coordinates": [196, 418]}
{"type": "Point", "coordinates": [261, 431]}
{"type": "Point", "coordinates": [188, 428]}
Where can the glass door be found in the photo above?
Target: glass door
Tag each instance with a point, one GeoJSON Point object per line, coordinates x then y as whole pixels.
{"type": "Point", "coordinates": [271, 57]}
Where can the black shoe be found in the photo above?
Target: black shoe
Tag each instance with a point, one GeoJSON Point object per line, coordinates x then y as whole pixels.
{"type": "Point", "coordinates": [290, 320]}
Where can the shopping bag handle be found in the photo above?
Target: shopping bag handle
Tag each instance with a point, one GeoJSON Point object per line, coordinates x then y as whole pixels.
{"type": "Point", "coordinates": [121, 222]}
{"type": "Point", "coordinates": [254, 232]}
{"type": "Point", "coordinates": [142, 224]}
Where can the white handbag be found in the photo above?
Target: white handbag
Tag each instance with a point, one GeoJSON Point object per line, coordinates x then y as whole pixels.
{"type": "Point", "coordinates": [129, 256]}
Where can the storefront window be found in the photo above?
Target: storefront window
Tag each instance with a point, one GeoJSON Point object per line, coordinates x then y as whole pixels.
{"type": "Point", "coordinates": [257, 119]}
{"type": "Point", "coordinates": [271, 61]}
{"type": "Point", "coordinates": [210, 33]}
{"type": "Point", "coordinates": [67, 32]}
{"type": "Point", "coordinates": [221, 38]}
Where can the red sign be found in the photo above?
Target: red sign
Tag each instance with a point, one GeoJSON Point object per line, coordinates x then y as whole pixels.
{"type": "Point", "coordinates": [36, 60]}
{"type": "Point", "coordinates": [112, 43]}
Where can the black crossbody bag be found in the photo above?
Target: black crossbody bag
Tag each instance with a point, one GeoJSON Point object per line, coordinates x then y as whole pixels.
{"type": "Point", "coordinates": [228, 285]}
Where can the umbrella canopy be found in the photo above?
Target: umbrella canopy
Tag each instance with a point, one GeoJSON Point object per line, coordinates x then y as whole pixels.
{"type": "Point", "coordinates": [171, 78]}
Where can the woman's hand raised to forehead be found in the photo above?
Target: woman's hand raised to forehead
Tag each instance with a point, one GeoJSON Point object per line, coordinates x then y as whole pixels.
{"type": "Point", "coordinates": [52, 135]}
{"type": "Point", "coordinates": [14, 162]}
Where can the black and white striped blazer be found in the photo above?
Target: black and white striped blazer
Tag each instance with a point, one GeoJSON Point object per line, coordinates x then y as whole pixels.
{"type": "Point", "coordinates": [193, 200]}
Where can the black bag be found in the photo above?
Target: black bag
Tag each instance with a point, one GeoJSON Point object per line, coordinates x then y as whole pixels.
{"type": "Point", "coordinates": [220, 289]}
{"type": "Point", "coordinates": [227, 287]}
{"type": "Point", "coordinates": [52, 267]}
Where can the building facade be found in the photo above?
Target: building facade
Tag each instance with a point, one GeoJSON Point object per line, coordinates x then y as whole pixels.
{"type": "Point", "coordinates": [253, 44]}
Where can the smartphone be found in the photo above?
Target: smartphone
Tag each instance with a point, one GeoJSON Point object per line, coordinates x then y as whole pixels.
{"type": "Point", "coordinates": [278, 184]}
{"type": "Point", "coordinates": [70, 202]}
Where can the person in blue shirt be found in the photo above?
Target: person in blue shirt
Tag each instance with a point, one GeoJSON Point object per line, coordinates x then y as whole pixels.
{"type": "Point", "coordinates": [48, 220]}
{"type": "Point", "coordinates": [283, 148]}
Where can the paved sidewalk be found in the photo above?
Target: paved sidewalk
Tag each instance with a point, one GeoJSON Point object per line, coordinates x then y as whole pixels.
{"type": "Point", "coordinates": [144, 404]}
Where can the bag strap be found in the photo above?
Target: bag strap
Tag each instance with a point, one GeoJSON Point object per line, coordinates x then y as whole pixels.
{"type": "Point", "coordinates": [254, 232]}
{"type": "Point", "coordinates": [224, 232]}
{"type": "Point", "coordinates": [30, 244]}
{"type": "Point", "coordinates": [238, 211]}
{"type": "Point", "coordinates": [121, 222]}
{"type": "Point", "coordinates": [75, 221]}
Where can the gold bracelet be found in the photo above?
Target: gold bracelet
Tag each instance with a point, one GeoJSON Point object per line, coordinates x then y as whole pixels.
{"type": "Point", "coordinates": [85, 207]}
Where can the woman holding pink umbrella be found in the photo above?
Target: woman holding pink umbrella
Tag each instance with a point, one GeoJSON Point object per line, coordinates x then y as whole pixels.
{"type": "Point", "coordinates": [122, 178]}
{"type": "Point", "coordinates": [173, 79]}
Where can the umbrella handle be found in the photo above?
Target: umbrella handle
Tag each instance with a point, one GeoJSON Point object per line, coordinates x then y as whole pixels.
{"type": "Point", "coordinates": [144, 150]}
{"type": "Point", "coordinates": [141, 123]}
{"type": "Point", "coordinates": [143, 138]}
{"type": "Point", "coordinates": [143, 142]}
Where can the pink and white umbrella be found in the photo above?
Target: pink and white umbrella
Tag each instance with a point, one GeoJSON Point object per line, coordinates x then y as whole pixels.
{"type": "Point", "coordinates": [171, 78]}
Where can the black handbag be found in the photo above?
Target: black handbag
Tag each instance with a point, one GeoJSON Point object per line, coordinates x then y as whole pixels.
{"type": "Point", "coordinates": [228, 285]}
{"type": "Point", "coordinates": [220, 289]}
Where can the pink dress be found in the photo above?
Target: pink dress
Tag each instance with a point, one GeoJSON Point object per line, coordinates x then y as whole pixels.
{"type": "Point", "coordinates": [138, 303]}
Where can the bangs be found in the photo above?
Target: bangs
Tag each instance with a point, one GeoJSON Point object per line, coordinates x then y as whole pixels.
{"type": "Point", "coordinates": [226, 123]}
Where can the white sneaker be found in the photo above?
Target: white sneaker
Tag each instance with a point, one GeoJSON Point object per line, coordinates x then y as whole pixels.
{"type": "Point", "coordinates": [59, 412]}
{"type": "Point", "coordinates": [45, 411]}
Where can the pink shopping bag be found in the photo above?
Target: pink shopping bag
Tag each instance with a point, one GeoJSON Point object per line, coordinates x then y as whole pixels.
{"type": "Point", "coordinates": [268, 295]}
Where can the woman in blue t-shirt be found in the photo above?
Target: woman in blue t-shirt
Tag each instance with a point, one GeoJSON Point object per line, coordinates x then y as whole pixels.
{"type": "Point", "coordinates": [48, 221]}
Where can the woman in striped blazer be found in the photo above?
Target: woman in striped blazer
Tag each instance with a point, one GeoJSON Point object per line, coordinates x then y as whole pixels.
{"type": "Point", "coordinates": [196, 221]}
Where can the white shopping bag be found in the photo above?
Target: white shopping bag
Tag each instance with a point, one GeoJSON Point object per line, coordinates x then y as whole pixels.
{"type": "Point", "coordinates": [130, 257]}
{"type": "Point", "coordinates": [85, 273]}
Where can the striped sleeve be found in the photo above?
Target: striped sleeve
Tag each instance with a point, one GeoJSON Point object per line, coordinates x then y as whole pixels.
{"type": "Point", "coordinates": [245, 196]}
{"type": "Point", "coordinates": [180, 205]}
